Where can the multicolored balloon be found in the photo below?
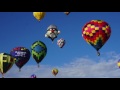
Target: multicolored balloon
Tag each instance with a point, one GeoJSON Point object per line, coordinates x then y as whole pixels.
{"type": "Point", "coordinates": [22, 55]}
{"type": "Point", "coordinates": [39, 15]}
{"type": "Point", "coordinates": [54, 71]}
{"type": "Point", "coordinates": [96, 33]}
{"type": "Point", "coordinates": [33, 76]}
{"type": "Point", "coordinates": [61, 42]}
{"type": "Point", "coordinates": [6, 62]}
{"type": "Point", "coordinates": [52, 32]}
{"type": "Point", "coordinates": [38, 51]}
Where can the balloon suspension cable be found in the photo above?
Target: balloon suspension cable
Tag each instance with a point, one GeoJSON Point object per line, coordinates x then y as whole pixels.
{"type": "Point", "coordinates": [19, 70]}
{"type": "Point", "coordinates": [52, 40]}
{"type": "Point", "coordinates": [98, 53]}
{"type": "Point", "coordinates": [38, 65]}
{"type": "Point", "coordinates": [2, 75]}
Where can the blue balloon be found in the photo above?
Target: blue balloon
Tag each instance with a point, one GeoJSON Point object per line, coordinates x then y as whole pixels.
{"type": "Point", "coordinates": [22, 56]}
{"type": "Point", "coordinates": [33, 76]}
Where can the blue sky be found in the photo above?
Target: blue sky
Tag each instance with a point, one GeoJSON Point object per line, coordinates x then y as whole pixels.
{"type": "Point", "coordinates": [22, 29]}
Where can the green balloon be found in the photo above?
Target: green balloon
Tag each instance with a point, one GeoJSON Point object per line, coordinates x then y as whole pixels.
{"type": "Point", "coordinates": [38, 51]}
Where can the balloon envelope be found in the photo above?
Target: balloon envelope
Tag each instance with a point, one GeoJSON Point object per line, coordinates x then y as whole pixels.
{"type": "Point", "coordinates": [6, 62]}
{"type": "Point", "coordinates": [52, 32]}
{"type": "Point", "coordinates": [96, 33]}
{"type": "Point", "coordinates": [38, 51]}
{"type": "Point", "coordinates": [54, 71]}
{"type": "Point", "coordinates": [61, 42]}
{"type": "Point", "coordinates": [22, 56]}
{"type": "Point", "coordinates": [67, 13]}
{"type": "Point", "coordinates": [118, 63]}
{"type": "Point", "coordinates": [39, 15]}
{"type": "Point", "coordinates": [33, 76]}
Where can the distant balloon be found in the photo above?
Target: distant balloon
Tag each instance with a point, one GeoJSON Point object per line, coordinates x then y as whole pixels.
{"type": "Point", "coordinates": [118, 63]}
{"type": "Point", "coordinates": [6, 62]}
{"type": "Point", "coordinates": [67, 13]}
{"type": "Point", "coordinates": [96, 33]}
{"type": "Point", "coordinates": [33, 76]}
{"type": "Point", "coordinates": [38, 51]}
{"type": "Point", "coordinates": [54, 71]}
{"type": "Point", "coordinates": [22, 55]}
{"type": "Point", "coordinates": [39, 15]}
{"type": "Point", "coordinates": [61, 42]}
{"type": "Point", "coordinates": [52, 32]}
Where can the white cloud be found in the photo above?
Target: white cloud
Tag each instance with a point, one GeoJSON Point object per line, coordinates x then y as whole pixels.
{"type": "Point", "coordinates": [79, 68]}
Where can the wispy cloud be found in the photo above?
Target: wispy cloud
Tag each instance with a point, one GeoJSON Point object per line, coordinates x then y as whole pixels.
{"type": "Point", "coordinates": [80, 68]}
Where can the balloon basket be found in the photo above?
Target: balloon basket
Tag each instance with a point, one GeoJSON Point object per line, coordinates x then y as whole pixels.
{"type": "Point", "coordinates": [38, 65]}
{"type": "Point", "coordinates": [2, 76]}
{"type": "Point", "coordinates": [98, 53]}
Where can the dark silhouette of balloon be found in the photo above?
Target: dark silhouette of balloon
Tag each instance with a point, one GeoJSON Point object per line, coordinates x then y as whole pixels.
{"type": "Point", "coordinates": [22, 56]}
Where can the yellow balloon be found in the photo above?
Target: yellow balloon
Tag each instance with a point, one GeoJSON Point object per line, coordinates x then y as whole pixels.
{"type": "Point", "coordinates": [6, 62]}
{"type": "Point", "coordinates": [39, 15]}
{"type": "Point", "coordinates": [118, 64]}
{"type": "Point", "coordinates": [55, 71]}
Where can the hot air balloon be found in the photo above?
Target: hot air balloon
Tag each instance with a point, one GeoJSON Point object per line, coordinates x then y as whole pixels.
{"type": "Point", "coordinates": [67, 13]}
{"type": "Point", "coordinates": [61, 42]}
{"type": "Point", "coordinates": [52, 32]}
{"type": "Point", "coordinates": [6, 62]}
{"type": "Point", "coordinates": [38, 51]}
{"type": "Point", "coordinates": [39, 15]}
{"type": "Point", "coordinates": [96, 33]}
{"type": "Point", "coordinates": [54, 71]}
{"type": "Point", "coordinates": [33, 76]}
{"type": "Point", "coordinates": [118, 63]}
{"type": "Point", "coordinates": [22, 55]}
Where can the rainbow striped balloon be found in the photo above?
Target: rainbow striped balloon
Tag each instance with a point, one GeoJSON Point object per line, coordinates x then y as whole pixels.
{"type": "Point", "coordinates": [96, 33]}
